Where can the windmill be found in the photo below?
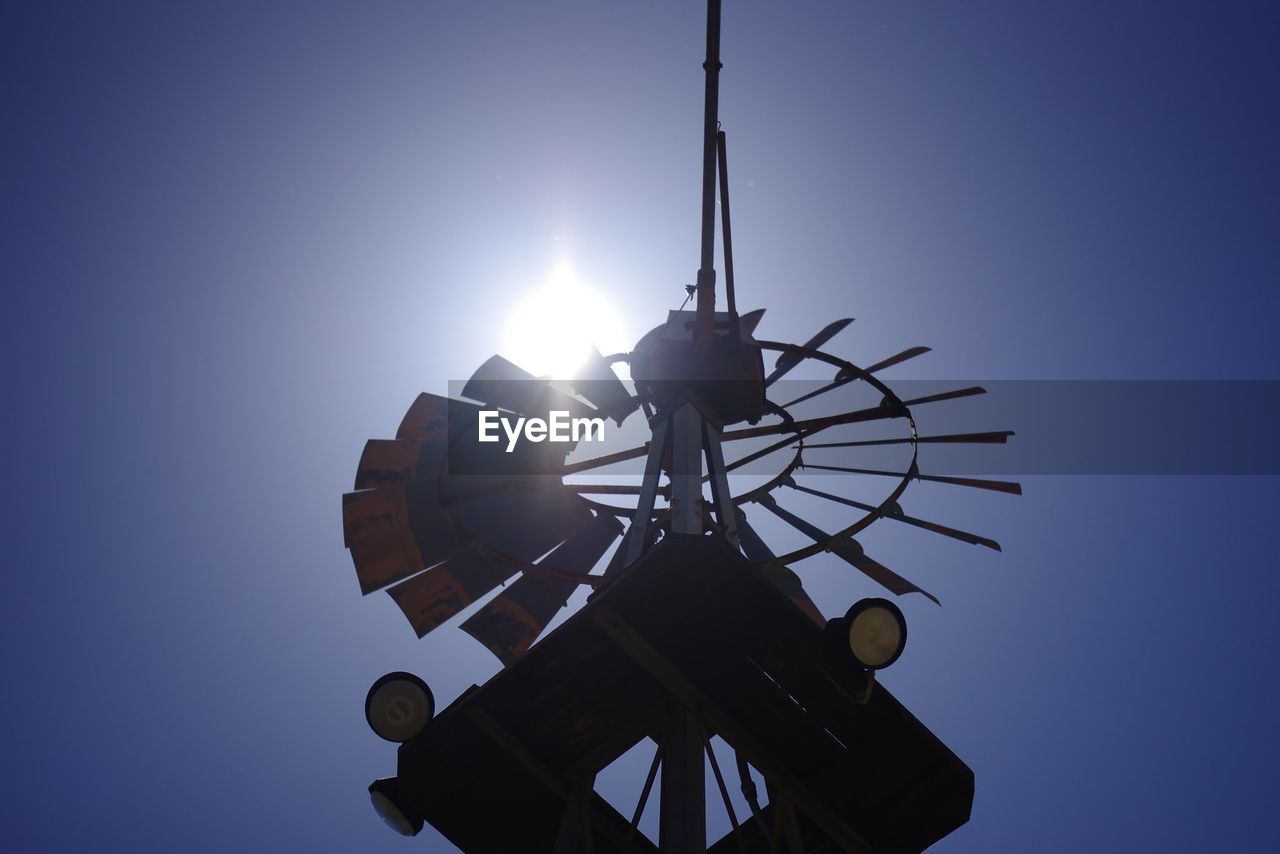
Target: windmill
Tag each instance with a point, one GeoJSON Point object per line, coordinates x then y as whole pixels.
{"type": "Point", "coordinates": [695, 626]}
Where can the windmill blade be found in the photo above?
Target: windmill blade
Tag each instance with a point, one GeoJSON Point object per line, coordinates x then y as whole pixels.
{"type": "Point", "coordinates": [946, 395]}
{"type": "Point", "coordinates": [897, 359]}
{"type": "Point", "coordinates": [396, 525]}
{"type": "Point", "coordinates": [895, 512]}
{"type": "Point", "coordinates": [976, 483]}
{"type": "Point", "coordinates": [850, 551]}
{"type": "Point", "coordinates": [513, 502]}
{"type": "Point", "coordinates": [375, 524]}
{"type": "Point", "coordinates": [789, 359]}
{"type": "Point", "coordinates": [501, 384]}
{"type": "Point", "coordinates": [387, 461]}
{"type": "Point", "coordinates": [599, 385]}
{"type": "Point", "coordinates": [780, 575]}
{"type": "Point", "coordinates": [510, 623]}
{"type": "Point", "coordinates": [432, 597]}
{"type": "Point", "coordinates": [373, 513]}
{"type": "Point", "coordinates": [998, 437]}
{"type": "Point", "coordinates": [844, 378]}
{"type": "Point", "coordinates": [749, 321]}
{"type": "Point", "coordinates": [524, 519]}
{"type": "Point", "coordinates": [430, 416]}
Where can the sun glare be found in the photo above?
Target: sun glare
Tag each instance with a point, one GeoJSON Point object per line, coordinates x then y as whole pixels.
{"type": "Point", "coordinates": [551, 331]}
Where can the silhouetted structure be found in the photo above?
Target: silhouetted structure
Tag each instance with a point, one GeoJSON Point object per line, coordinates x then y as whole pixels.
{"type": "Point", "coordinates": [695, 628]}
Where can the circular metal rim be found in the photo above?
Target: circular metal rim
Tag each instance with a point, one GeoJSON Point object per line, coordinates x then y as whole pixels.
{"type": "Point", "coordinates": [797, 461]}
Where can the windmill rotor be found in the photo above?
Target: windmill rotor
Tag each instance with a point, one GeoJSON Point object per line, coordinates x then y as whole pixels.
{"type": "Point", "coordinates": [442, 541]}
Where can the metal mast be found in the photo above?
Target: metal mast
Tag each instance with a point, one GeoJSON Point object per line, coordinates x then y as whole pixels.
{"type": "Point", "coordinates": [707, 272]}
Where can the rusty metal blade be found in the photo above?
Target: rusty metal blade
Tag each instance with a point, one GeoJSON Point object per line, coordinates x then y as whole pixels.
{"type": "Point", "coordinates": [374, 513]}
{"type": "Point", "coordinates": [504, 385]}
{"type": "Point", "coordinates": [896, 513]}
{"type": "Point", "coordinates": [432, 418]}
{"type": "Point", "coordinates": [788, 360]}
{"type": "Point", "coordinates": [850, 551]}
{"type": "Point", "coordinates": [387, 461]}
{"type": "Point", "coordinates": [782, 577]}
{"type": "Point", "coordinates": [996, 437]}
{"type": "Point", "coordinates": [946, 395]}
{"type": "Point", "coordinates": [384, 560]}
{"type": "Point", "coordinates": [599, 385]}
{"type": "Point", "coordinates": [977, 483]}
{"type": "Point", "coordinates": [510, 623]}
{"type": "Point", "coordinates": [523, 521]}
{"type": "Point", "coordinates": [427, 419]}
{"type": "Point", "coordinates": [897, 359]}
{"type": "Point", "coordinates": [376, 529]}
{"type": "Point", "coordinates": [431, 598]}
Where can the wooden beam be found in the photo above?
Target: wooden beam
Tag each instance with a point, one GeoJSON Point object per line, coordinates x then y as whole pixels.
{"type": "Point", "coordinates": [648, 657]}
{"type": "Point", "coordinates": [683, 821]}
{"type": "Point", "coordinates": [508, 742]}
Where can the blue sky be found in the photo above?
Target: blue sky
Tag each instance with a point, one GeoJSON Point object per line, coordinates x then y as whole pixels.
{"type": "Point", "coordinates": [239, 239]}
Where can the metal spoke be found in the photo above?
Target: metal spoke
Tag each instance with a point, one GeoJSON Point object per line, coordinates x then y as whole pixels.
{"type": "Point", "coordinates": [977, 483]}
{"type": "Point", "coordinates": [947, 395]}
{"type": "Point", "coordinates": [846, 376]}
{"type": "Point", "coordinates": [954, 533]}
{"type": "Point", "coordinates": [789, 359]}
{"type": "Point", "coordinates": [997, 437]}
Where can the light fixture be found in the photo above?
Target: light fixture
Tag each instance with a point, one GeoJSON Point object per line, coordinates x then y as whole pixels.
{"type": "Point", "coordinates": [388, 804]}
{"type": "Point", "coordinates": [399, 706]}
{"type": "Point", "coordinates": [872, 631]}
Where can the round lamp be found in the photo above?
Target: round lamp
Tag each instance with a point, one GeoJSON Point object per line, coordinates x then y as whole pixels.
{"type": "Point", "coordinates": [877, 632]}
{"type": "Point", "coordinates": [399, 706]}
{"type": "Point", "coordinates": [385, 796]}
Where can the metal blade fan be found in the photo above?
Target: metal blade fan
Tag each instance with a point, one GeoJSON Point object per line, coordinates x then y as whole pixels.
{"type": "Point", "coordinates": [442, 541]}
{"type": "Point", "coordinates": [472, 532]}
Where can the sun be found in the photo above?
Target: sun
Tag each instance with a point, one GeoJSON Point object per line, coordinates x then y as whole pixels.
{"type": "Point", "coordinates": [552, 329]}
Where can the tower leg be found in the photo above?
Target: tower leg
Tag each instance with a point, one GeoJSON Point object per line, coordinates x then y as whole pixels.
{"type": "Point", "coordinates": [684, 811]}
{"type": "Point", "coordinates": [637, 537]}
{"type": "Point", "coordinates": [726, 515]}
{"type": "Point", "coordinates": [686, 470]}
{"type": "Point", "coordinates": [575, 835]}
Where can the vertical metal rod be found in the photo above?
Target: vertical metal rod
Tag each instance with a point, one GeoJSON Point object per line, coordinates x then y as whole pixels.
{"type": "Point", "coordinates": [684, 809]}
{"type": "Point", "coordinates": [791, 827]}
{"type": "Point", "coordinates": [686, 470]}
{"type": "Point", "coordinates": [644, 798]}
{"type": "Point", "coordinates": [570, 828]}
{"type": "Point", "coordinates": [786, 829]}
{"type": "Point", "coordinates": [724, 796]}
{"type": "Point", "coordinates": [706, 272]}
{"type": "Point", "coordinates": [588, 833]}
{"type": "Point", "coordinates": [735, 326]}
{"type": "Point", "coordinates": [750, 793]}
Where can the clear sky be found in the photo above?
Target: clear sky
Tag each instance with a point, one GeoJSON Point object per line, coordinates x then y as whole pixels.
{"type": "Point", "coordinates": [239, 238]}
